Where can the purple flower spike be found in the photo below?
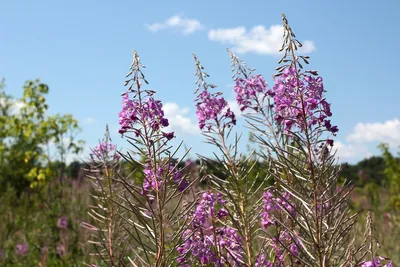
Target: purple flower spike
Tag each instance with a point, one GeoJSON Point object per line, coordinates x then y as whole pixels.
{"type": "Point", "coordinates": [148, 111]}
{"type": "Point", "coordinates": [103, 150]}
{"type": "Point", "coordinates": [205, 236]}
{"type": "Point", "coordinates": [247, 91]}
{"type": "Point", "coordinates": [300, 101]}
{"type": "Point", "coordinates": [212, 108]}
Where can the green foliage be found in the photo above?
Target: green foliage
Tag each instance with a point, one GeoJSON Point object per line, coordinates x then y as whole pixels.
{"type": "Point", "coordinates": [373, 169]}
{"type": "Point", "coordinates": [73, 169]}
{"type": "Point", "coordinates": [392, 175]}
{"type": "Point", "coordinates": [28, 134]}
{"type": "Point", "coordinates": [366, 171]}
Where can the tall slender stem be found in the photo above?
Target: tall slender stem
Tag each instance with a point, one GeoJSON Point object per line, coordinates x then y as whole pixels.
{"type": "Point", "coordinates": [242, 212]}
{"type": "Point", "coordinates": [309, 159]}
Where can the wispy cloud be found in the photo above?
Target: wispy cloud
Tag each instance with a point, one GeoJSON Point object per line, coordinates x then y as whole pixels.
{"type": "Point", "coordinates": [358, 141]}
{"type": "Point", "coordinates": [233, 105]}
{"type": "Point", "coordinates": [184, 25]}
{"type": "Point", "coordinates": [89, 121]}
{"type": "Point", "coordinates": [388, 131]}
{"type": "Point", "coordinates": [259, 39]}
{"type": "Point", "coordinates": [178, 119]}
{"type": "Point", "coordinates": [348, 151]}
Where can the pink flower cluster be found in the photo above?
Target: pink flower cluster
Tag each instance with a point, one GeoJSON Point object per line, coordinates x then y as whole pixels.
{"type": "Point", "coordinates": [299, 101]}
{"type": "Point", "coordinates": [209, 107]}
{"type": "Point", "coordinates": [282, 207]}
{"type": "Point", "coordinates": [103, 149]}
{"type": "Point", "coordinates": [206, 236]}
{"type": "Point", "coordinates": [148, 112]}
{"type": "Point", "coordinates": [22, 249]}
{"type": "Point", "coordinates": [263, 261]}
{"type": "Point", "coordinates": [247, 91]}
{"type": "Point", "coordinates": [376, 263]}
{"type": "Point", "coordinates": [155, 180]}
{"type": "Point", "coordinates": [273, 204]}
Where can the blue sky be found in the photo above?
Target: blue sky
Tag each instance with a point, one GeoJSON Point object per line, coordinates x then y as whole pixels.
{"type": "Point", "coordinates": [83, 49]}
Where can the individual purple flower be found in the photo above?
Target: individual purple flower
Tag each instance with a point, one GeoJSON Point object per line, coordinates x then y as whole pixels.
{"type": "Point", "coordinates": [222, 213]}
{"type": "Point", "coordinates": [22, 249]}
{"type": "Point", "coordinates": [169, 136]}
{"type": "Point", "coordinates": [164, 122]}
{"type": "Point", "coordinates": [375, 262]}
{"type": "Point", "coordinates": [62, 222]}
{"type": "Point", "coordinates": [294, 249]}
{"type": "Point", "coordinates": [329, 142]}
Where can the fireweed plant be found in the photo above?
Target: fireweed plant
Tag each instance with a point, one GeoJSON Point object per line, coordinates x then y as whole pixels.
{"type": "Point", "coordinates": [106, 238]}
{"type": "Point", "coordinates": [142, 222]}
{"type": "Point", "coordinates": [166, 218]}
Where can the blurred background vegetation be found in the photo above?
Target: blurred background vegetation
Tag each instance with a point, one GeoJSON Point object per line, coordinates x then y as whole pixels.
{"type": "Point", "coordinates": [38, 188]}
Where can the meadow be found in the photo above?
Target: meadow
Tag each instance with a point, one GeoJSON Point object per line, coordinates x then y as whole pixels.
{"type": "Point", "coordinates": [287, 202]}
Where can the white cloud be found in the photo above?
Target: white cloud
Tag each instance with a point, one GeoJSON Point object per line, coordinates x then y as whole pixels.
{"type": "Point", "coordinates": [359, 141]}
{"type": "Point", "coordinates": [308, 46]}
{"type": "Point", "coordinates": [259, 39]}
{"type": "Point", "coordinates": [186, 26]}
{"type": "Point", "coordinates": [89, 121]}
{"type": "Point", "coordinates": [388, 132]}
{"type": "Point", "coordinates": [178, 120]}
{"type": "Point", "coordinates": [350, 151]}
{"type": "Point", "coordinates": [233, 105]}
